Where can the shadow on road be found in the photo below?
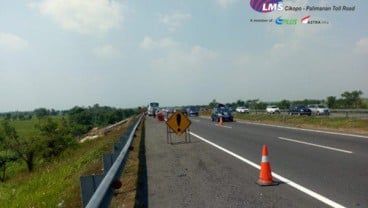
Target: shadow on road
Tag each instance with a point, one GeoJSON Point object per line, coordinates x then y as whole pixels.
{"type": "Point", "coordinates": [142, 190]}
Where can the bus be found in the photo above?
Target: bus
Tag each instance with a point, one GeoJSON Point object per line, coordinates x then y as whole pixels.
{"type": "Point", "coordinates": [152, 108]}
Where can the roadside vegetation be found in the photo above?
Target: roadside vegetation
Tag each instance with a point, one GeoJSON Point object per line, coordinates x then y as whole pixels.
{"type": "Point", "coordinates": [35, 139]}
{"type": "Point", "coordinates": [348, 100]}
{"type": "Point", "coordinates": [56, 183]}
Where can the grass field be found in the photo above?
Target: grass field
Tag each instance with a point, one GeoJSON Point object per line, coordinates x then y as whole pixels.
{"type": "Point", "coordinates": [24, 128]}
{"type": "Point", "coordinates": [352, 125]}
{"type": "Point", "coordinates": [57, 183]}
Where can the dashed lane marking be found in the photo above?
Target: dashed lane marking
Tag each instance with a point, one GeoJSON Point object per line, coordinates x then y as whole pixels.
{"type": "Point", "coordinates": [316, 145]}
{"type": "Point", "coordinates": [275, 175]}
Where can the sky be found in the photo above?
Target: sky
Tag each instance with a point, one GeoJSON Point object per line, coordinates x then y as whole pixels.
{"type": "Point", "coordinates": [62, 53]}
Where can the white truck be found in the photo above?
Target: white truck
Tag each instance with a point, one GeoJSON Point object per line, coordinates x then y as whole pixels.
{"type": "Point", "coordinates": [152, 108]}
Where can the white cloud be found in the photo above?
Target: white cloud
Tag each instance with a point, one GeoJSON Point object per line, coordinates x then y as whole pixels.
{"type": "Point", "coordinates": [106, 51]}
{"type": "Point", "coordinates": [185, 60]}
{"type": "Point", "coordinates": [226, 3]}
{"type": "Point", "coordinates": [172, 57]}
{"type": "Point", "coordinates": [83, 16]}
{"type": "Point", "coordinates": [149, 43]}
{"type": "Point", "coordinates": [361, 46]}
{"type": "Point", "coordinates": [174, 20]}
{"type": "Point", "coordinates": [12, 42]}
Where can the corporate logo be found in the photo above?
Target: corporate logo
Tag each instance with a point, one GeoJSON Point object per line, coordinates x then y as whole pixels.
{"type": "Point", "coordinates": [281, 21]}
{"type": "Point", "coordinates": [305, 19]}
{"type": "Point", "coordinates": [308, 20]}
{"type": "Point", "coordinates": [265, 6]}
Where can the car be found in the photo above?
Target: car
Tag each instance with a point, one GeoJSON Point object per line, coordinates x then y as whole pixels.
{"type": "Point", "coordinates": [272, 109]}
{"type": "Point", "coordinates": [318, 109]}
{"type": "Point", "coordinates": [300, 110]}
{"type": "Point", "coordinates": [242, 109]}
{"type": "Point", "coordinates": [223, 112]}
{"type": "Point", "coordinates": [192, 111]}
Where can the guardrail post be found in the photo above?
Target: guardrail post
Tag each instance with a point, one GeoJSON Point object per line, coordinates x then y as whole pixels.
{"type": "Point", "coordinates": [108, 160]}
{"type": "Point", "coordinates": [96, 190]}
{"type": "Point", "coordinates": [89, 185]}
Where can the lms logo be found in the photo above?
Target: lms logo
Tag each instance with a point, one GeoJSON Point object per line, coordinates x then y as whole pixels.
{"type": "Point", "coordinates": [267, 5]}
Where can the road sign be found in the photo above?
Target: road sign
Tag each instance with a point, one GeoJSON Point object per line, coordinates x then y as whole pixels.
{"type": "Point", "coordinates": [178, 122]}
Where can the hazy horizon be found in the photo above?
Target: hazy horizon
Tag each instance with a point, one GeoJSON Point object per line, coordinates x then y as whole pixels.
{"type": "Point", "coordinates": [64, 53]}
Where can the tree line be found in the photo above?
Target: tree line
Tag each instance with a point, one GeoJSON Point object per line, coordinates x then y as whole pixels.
{"type": "Point", "coordinates": [53, 135]}
{"type": "Point", "coordinates": [348, 100]}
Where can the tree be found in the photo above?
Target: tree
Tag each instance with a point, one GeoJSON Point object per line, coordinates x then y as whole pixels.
{"type": "Point", "coordinates": [41, 112]}
{"type": "Point", "coordinates": [284, 104]}
{"type": "Point", "coordinates": [54, 137]}
{"type": "Point", "coordinates": [331, 101]}
{"type": "Point", "coordinates": [212, 104]}
{"type": "Point", "coordinates": [240, 103]}
{"type": "Point", "coordinates": [352, 99]}
{"type": "Point", "coordinates": [6, 157]}
{"type": "Point", "coordinates": [261, 105]}
{"type": "Point", "coordinates": [25, 147]}
{"type": "Point", "coordinates": [252, 103]}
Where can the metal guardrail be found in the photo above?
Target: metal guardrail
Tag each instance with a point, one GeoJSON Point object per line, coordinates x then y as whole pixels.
{"type": "Point", "coordinates": [97, 190]}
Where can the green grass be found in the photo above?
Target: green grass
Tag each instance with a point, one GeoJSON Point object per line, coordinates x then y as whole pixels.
{"type": "Point", "coordinates": [24, 128]}
{"type": "Point", "coordinates": [27, 127]}
{"type": "Point", "coordinates": [58, 181]}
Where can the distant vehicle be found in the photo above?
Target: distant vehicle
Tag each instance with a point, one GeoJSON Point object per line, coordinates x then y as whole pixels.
{"type": "Point", "coordinates": [169, 110]}
{"type": "Point", "coordinates": [300, 110]}
{"type": "Point", "coordinates": [152, 108]}
{"type": "Point", "coordinates": [272, 109]}
{"type": "Point", "coordinates": [223, 112]}
{"type": "Point", "coordinates": [183, 110]}
{"type": "Point", "coordinates": [242, 109]}
{"type": "Point", "coordinates": [319, 109]}
{"type": "Point", "coordinates": [192, 111]}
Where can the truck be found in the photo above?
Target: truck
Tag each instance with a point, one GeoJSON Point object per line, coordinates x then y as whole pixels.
{"type": "Point", "coordinates": [152, 108]}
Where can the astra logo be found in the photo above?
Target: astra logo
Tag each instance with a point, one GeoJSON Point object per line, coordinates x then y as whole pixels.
{"type": "Point", "coordinates": [305, 19]}
{"type": "Point", "coordinates": [267, 5]}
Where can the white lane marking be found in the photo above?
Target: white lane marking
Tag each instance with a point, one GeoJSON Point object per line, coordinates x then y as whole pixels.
{"type": "Point", "coordinates": [316, 145]}
{"type": "Point", "coordinates": [195, 120]}
{"type": "Point", "coordinates": [275, 175]}
{"type": "Point", "coordinates": [301, 129]}
{"type": "Point", "coordinates": [229, 127]}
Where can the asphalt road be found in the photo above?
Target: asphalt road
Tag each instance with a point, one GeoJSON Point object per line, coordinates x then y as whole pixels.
{"type": "Point", "coordinates": [325, 166]}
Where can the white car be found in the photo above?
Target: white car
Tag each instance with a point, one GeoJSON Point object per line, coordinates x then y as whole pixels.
{"type": "Point", "coordinates": [272, 109]}
{"type": "Point", "coordinates": [319, 109]}
{"type": "Point", "coordinates": [242, 109]}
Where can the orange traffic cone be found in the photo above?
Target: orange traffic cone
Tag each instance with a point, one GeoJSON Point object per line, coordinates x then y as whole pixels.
{"type": "Point", "coordinates": [265, 175]}
{"type": "Point", "coordinates": [220, 121]}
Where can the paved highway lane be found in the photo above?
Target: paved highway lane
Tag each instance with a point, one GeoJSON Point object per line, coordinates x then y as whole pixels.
{"type": "Point", "coordinates": [199, 175]}
{"type": "Point", "coordinates": [335, 166]}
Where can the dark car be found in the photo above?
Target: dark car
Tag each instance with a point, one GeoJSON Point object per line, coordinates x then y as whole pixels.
{"type": "Point", "coordinates": [183, 110]}
{"type": "Point", "coordinates": [192, 111]}
{"type": "Point", "coordinates": [300, 110]}
{"type": "Point", "coordinates": [223, 112]}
